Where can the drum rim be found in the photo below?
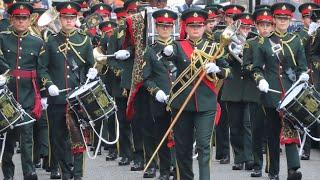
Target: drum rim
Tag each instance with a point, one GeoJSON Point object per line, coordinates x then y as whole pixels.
{"type": "Point", "coordinates": [289, 104]}
{"type": "Point", "coordinates": [75, 97]}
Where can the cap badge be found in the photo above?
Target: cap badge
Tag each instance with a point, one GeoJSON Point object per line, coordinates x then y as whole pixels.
{"type": "Point", "coordinates": [69, 6]}
{"type": "Point", "coordinates": [265, 13]}
{"type": "Point", "coordinates": [166, 15]}
{"type": "Point", "coordinates": [101, 7]}
{"type": "Point", "coordinates": [284, 7]}
{"type": "Point", "coordinates": [195, 14]}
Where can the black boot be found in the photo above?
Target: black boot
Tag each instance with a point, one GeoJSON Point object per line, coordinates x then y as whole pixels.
{"type": "Point", "coordinates": [294, 175]}
{"type": "Point", "coordinates": [31, 176]}
{"type": "Point", "coordinates": [55, 174]}
{"type": "Point", "coordinates": [150, 173]}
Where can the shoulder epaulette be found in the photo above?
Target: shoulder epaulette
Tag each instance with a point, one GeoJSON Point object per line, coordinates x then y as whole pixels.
{"type": "Point", "coordinates": [82, 32]}
{"type": "Point", "coordinates": [35, 35]}
{"type": "Point", "coordinates": [5, 32]}
{"type": "Point", "coordinates": [253, 38]}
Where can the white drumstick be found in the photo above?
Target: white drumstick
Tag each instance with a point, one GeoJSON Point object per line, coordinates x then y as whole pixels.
{"type": "Point", "coordinates": [63, 90]}
{"type": "Point", "coordinates": [274, 91]}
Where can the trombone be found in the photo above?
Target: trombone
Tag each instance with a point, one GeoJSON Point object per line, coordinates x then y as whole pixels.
{"type": "Point", "coordinates": [50, 19]}
{"type": "Point", "coordinates": [225, 39]}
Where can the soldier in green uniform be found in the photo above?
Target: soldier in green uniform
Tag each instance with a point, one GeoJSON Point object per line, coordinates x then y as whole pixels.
{"type": "Point", "coordinates": [66, 60]}
{"type": "Point", "coordinates": [237, 103]}
{"type": "Point", "coordinates": [119, 86]}
{"type": "Point", "coordinates": [305, 10]}
{"type": "Point", "coordinates": [263, 21]}
{"type": "Point", "coordinates": [107, 29]}
{"type": "Point", "coordinates": [19, 54]}
{"type": "Point", "coordinates": [211, 22]}
{"type": "Point", "coordinates": [158, 79]}
{"type": "Point", "coordinates": [222, 129]}
{"type": "Point", "coordinates": [102, 9]}
{"type": "Point", "coordinates": [280, 61]}
{"type": "Point", "coordinates": [197, 119]}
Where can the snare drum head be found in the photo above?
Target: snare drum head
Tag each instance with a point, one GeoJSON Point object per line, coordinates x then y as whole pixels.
{"type": "Point", "coordinates": [82, 89]}
{"type": "Point", "coordinates": [291, 95]}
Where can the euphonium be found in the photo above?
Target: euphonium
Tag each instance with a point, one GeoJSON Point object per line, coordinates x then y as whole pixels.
{"type": "Point", "coordinates": [50, 18]}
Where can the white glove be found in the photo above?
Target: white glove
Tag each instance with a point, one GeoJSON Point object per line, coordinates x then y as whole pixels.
{"type": "Point", "coordinates": [3, 80]}
{"type": "Point", "coordinates": [53, 90]}
{"type": "Point", "coordinates": [212, 68]}
{"type": "Point", "coordinates": [44, 103]}
{"type": "Point", "coordinates": [304, 77]}
{"type": "Point", "coordinates": [122, 54]}
{"type": "Point", "coordinates": [168, 50]}
{"type": "Point", "coordinates": [312, 28]}
{"type": "Point", "coordinates": [92, 73]}
{"type": "Point", "coordinates": [237, 50]}
{"type": "Point", "coordinates": [161, 96]}
{"type": "Point", "coordinates": [263, 86]}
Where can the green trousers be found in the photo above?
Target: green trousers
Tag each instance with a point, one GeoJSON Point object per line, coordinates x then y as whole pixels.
{"type": "Point", "coordinates": [41, 137]}
{"type": "Point", "coordinates": [60, 142]}
{"type": "Point", "coordinates": [26, 141]}
{"type": "Point", "coordinates": [190, 126]}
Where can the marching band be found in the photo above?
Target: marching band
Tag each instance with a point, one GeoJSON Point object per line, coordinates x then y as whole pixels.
{"type": "Point", "coordinates": [154, 84]}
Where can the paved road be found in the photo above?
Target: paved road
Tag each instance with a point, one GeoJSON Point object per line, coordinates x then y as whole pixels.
{"type": "Point", "coordinates": [99, 169]}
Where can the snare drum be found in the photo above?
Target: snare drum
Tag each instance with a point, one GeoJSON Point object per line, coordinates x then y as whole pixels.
{"type": "Point", "coordinates": [301, 105]}
{"type": "Point", "coordinates": [93, 100]}
{"type": "Point", "coordinates": [10, 110]}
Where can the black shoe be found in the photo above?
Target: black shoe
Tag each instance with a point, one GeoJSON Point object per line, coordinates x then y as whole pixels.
{"type": "Point", "coordinates": [37, 165]}
{"type": "Point", "coordinates": [225, 160]}
{"type": "Point", "coordinates": [294, 175]}
{"type": "Point", "coordinates": [9, 178]}
{"type": "Point", "coordinates": [137, 166]}
{"type": "Point", "coordinates": [55, 175]}
{"type": "Point", "coordinates": [112, 155]}
{"type": "Point", "coordinates": [305, 156]}
{"type": "Point", "coordinates": [237, 166]}
{"type": "Point", "coordinates": [45, 164]}
{"type": "Point", "coordinates": [77, 178]}
{"type": "Point", "coordinates": [164, 177]}
{"type": "Point", "coordinates": [150, 173]}
{"type": "Point", "coordinates": [99, 152]}
{"type": "Point", "coordinates": [273, 177]}
{"type": "Point", "coordinates": [248, 166]}
{"type": "Point", "coordinates": [256, 173]}
{"type": "Point", "coordinates": [31, 176]}
{"type": "Point", "coordinates": [18, 150]}
{"type": "Point", "coordinates": [124, 162]}
{"type": "Point", "coordinates": [173, 171]}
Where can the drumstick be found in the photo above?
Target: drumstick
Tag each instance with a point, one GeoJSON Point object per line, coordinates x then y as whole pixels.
{"type": "Point", "coordinates": [274, 91]}
{"type": "Point", "coordinates": [296, 83]}
{"type": "Point", "coordinates": [63, 90]}
{"type": "Point", "coordinates": [94, 66]}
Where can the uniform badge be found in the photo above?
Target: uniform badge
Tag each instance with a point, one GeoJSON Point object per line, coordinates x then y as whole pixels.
{"type": "Point", "coordinates": [166, 15]}
{"type": "Point", "coordinates": [284, 7]}
{"type": "Point", "coordinates": [101, 7]}
{"type": "Point", "coordinates": [195, 14]}
{"type": "Point", "coordinates": [21, 7]}
{"type": "Point", "coordinates": [265, 13]}
{"type": "Point", "coordinates": [247, 17]}
{"type": "Point", "coordinates": [69, 6]}
{"type": "Point", "coordinates": [235, 8]}
{"type": "Point", "coordinates": [209, 12]}
{"type": "Point", "coordinates": [309, 7]}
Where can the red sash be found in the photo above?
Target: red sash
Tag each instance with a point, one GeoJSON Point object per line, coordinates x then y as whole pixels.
{"type": "Point", "coordinates": [188, 50]}
{"type": "Point", "coordinates": [37, 108]}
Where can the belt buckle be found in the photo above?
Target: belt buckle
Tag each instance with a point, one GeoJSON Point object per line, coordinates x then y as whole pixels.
{"type": "Point", "coordinates": [276, 48]}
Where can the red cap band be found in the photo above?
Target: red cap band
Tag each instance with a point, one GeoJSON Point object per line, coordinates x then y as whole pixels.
{"type": "Point", "coordinates": [121, 14]}
{"type": "Point", "coordinates": [69, 11]}
{"type": "Point", "coordinates": [84, 5]}
{"type": "Point", "coordinates": [246, 21]}
{"type": "Point", "coordinates": [198, 19]}
{"type": "Point", "coordinates": [264, 18]}
{"type": "Point", "coordinates": [212, 15]}
{"type": "Point", "coordinates": [102, 12]}
{"type": "Point", "coordinates": [282, 12]}
{"type": "Point", "coordinates": [24, 11]}
{"type": "Point", "coordinates": [106, 29]}
{"type": "Point", "coordinates": [132, 6]}
{"type": "Point", "coordinates": [233, 11]}
{"type": "Point", "coordinates": [164, 20]}
{"type": "Point", "coordinates": [93, 31]}
{"type": "Point", "coordinates": [306, 12]}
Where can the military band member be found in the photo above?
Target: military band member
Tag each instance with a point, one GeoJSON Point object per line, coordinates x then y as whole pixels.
{"type": "Point", "coordinates": [196, 120]}
{"type": "Point", "coordinates": [19, 54]}
{"type": "Point", "coordinates": [211, 22]}
{"type": "Point", "coordinates": [263, 22]}
{"type": "Point", "coordinates": [305, 10]}
{"type": "Point", "coordinates": [120, 12]}
{"type": "Point", "coordinates": [277, 64]}
{"type": "Point", "coordinates": [131, 6]}
{"type": "Point", "coordinates": [222, 129]}
{"type": "Point", "coordinates": [66, 60]}
{"type": "Point", "coordinates": [236, 103]}
{"type": "Point", "coordinates": [158, 79]}
{"type": "Point", "coordinates": [103, 10]}
{"type": "Point", "coordinates": [4, 22]}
